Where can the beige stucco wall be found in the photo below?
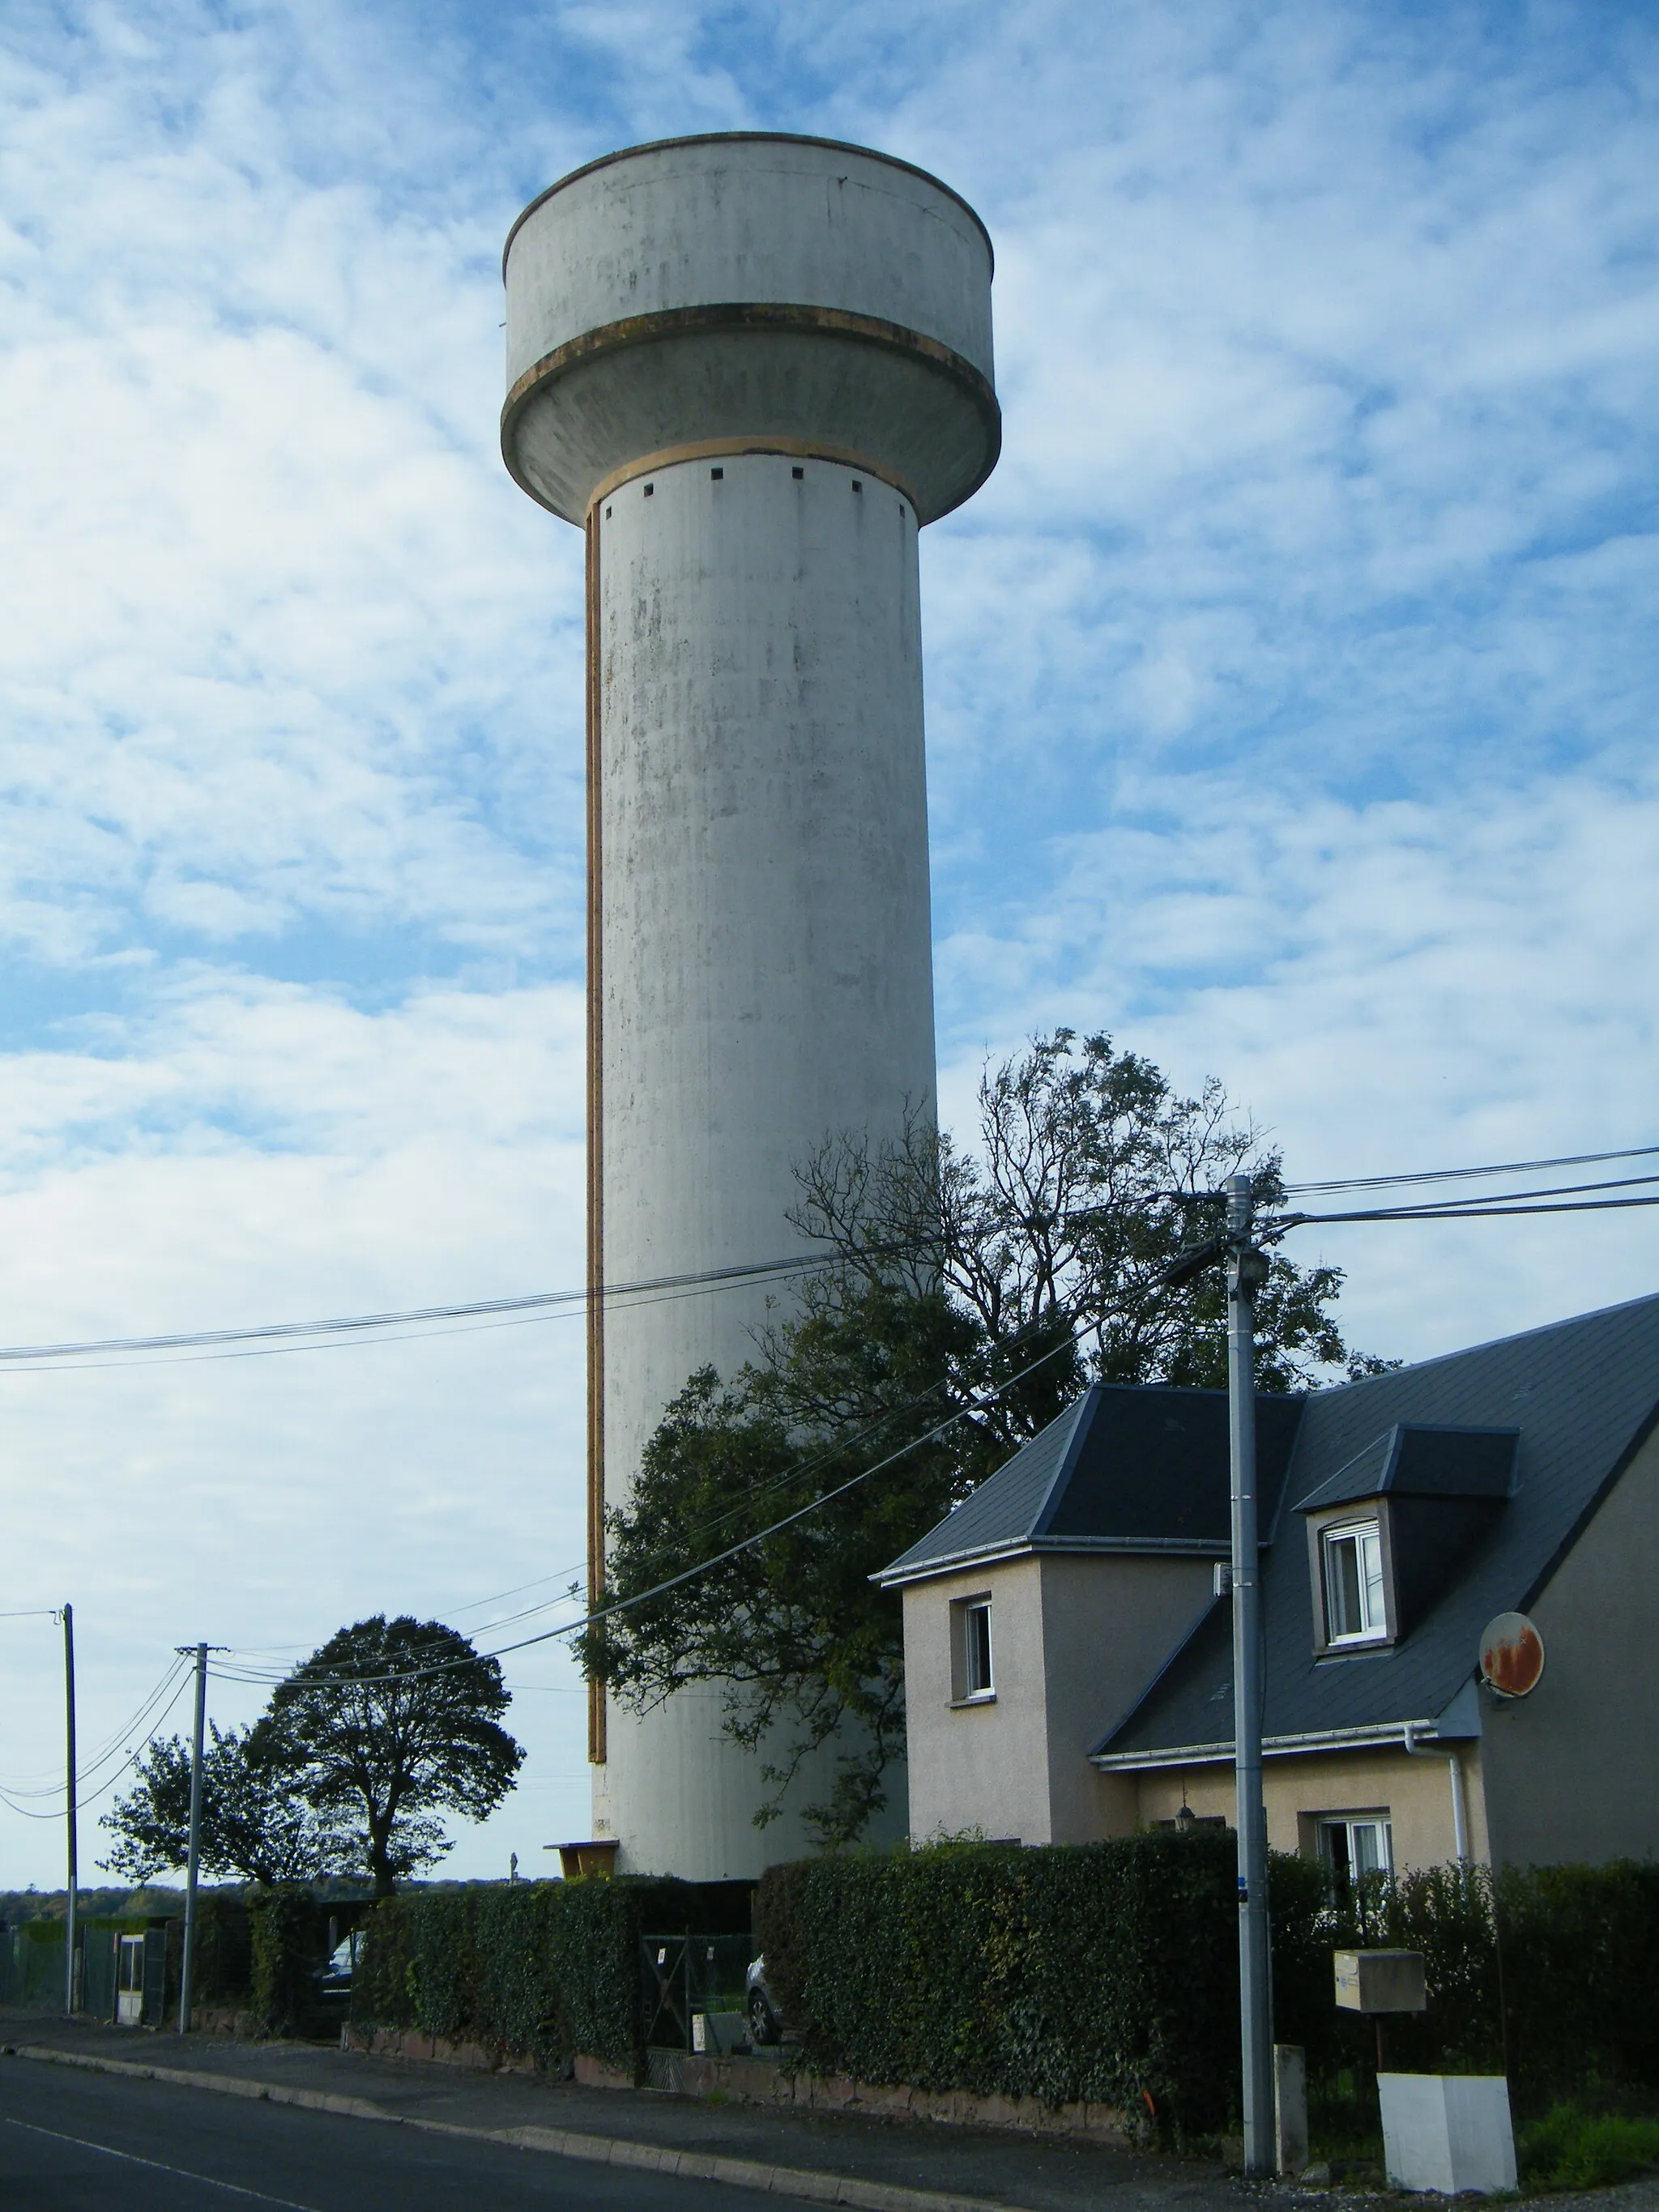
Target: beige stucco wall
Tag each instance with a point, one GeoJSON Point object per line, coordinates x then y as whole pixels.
{"type": "Point", "coordinates": [1415, 1793]}
{"type": "Point", "coordinates": [1075, 1639]}
{"type": "Point", "coordinates": [985, 1766]}
{"type": "Point", "coordinates": [1572, 1770]}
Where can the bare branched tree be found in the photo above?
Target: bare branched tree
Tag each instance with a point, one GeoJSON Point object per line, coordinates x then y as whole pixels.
{"type": "Point", "coordinates": [987, 1284]}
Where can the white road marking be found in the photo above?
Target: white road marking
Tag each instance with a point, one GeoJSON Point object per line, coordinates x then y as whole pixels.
{"type": "Point", "coordinates": [183, 2172]}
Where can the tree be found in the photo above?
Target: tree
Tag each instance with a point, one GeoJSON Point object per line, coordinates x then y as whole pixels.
{"type": "Point", "coordinates": [390, 1722]}
{"type": "Point", "coordinates": [967, 1296]}
{"type": "Point", "coordinates": [253, 1825]}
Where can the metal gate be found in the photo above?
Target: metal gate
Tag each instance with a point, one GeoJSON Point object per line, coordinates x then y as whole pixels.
{"type": "Point", "coordinates": [129, 1983]}
{"type": "Point", "coordinates": [685, 1974]}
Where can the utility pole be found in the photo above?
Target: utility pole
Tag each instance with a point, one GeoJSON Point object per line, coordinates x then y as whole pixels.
{"type": "Point", "coordinates": [187, 1968]}
{"type": "Point", "coordinates": [1247, 1269]}
{"type": "Point", "coordinates": [72, 1883]}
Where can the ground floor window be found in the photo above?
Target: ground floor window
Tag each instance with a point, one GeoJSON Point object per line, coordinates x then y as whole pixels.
{"type": "Point", "coordinates": [1355, 1843]}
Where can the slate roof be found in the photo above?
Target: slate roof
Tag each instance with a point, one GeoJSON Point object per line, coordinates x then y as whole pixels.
{"type": "Point", "coordinates": [1123, 1469]}
{"type": "Point", "coordinates": [1583, 1394]}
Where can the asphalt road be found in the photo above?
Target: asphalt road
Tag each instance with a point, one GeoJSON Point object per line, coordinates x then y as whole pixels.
{"type": "Point", "coordinates": [88, 2142]}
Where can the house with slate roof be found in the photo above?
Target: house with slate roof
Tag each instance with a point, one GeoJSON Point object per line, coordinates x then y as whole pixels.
{"type": "Point", "coordinates": [1067, 1632]}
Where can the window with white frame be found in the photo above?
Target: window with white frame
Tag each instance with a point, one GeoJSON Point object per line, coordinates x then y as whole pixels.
{"type": "Point", "coordinates": [1356, 1844]}
{"type": "Point", "coordinates": [970, 1660]}
{"type": "Point", "coordinates": [1350, 1557]}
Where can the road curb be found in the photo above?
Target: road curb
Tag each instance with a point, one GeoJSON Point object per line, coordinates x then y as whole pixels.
{"type": "Point", "coordinates": [808, 2183]}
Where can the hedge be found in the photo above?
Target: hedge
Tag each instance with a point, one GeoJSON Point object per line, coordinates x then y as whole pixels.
{"type": "Point", "coordinates": [1109, 1972]}
{"type": "Point", "coordinates": [289, 1933]}
{"type": "Point", "coordinates": [222, 1971]}
{"type": "Point", "coordinates": [1544, 1973]}
{"type": "Point", "coordinates": [1105, 1972]}
{"type": "Point", "coordinates": [544, 1969]}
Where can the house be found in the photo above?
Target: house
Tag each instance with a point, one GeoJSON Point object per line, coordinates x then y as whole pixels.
{"type": "Point", "coordinates": [1067, 1631]}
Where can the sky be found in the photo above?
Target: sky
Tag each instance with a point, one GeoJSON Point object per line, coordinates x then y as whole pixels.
{"type": "Point", "coordinates": [1290, 700]}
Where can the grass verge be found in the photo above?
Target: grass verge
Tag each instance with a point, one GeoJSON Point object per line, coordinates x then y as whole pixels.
{"type": "Point", "coordinates": [1571, 2148]}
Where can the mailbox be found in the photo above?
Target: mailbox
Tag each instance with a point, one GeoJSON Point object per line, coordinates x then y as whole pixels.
{"type": "Point", "coordinates": [1381, 1981]}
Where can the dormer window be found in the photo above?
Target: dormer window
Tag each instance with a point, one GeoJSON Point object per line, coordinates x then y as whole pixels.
{"type": "Point", "coordinates": [1350, 1557]}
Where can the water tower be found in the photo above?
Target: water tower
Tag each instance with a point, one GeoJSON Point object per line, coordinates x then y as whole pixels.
{"type": "Point", "coordinates": [749, 367]}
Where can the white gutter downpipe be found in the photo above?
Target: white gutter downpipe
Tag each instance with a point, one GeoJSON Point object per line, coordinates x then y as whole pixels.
{"type": "Point", "coordinates": [1460, 1818]}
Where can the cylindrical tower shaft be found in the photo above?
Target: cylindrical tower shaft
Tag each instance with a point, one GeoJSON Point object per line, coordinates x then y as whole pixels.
{"type": "Point", "coordinates": [751, 366]}
{"type": "Point", "coordinates": [765, 973]}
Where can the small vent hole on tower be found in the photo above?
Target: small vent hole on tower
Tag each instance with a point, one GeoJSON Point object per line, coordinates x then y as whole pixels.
{"type": "Point", "coordinates": [715, 475]}
{"type": "Point", "coordinates": [649, 489]}
{"type": "Point", "coordinates": [607, 514]}
{"type": "Point", "coordinates": [798, 474]}
{"type": "Point", "coordinates": [857, 486]}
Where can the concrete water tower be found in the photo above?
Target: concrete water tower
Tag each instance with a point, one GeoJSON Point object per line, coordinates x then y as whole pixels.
{"type": "Point", "coordinates": [749, 366]}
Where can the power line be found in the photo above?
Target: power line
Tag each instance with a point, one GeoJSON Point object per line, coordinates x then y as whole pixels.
{"type": "Point", "coordinates": [104, 1789]}
{"type": "Point", "coordinates": [647, 1289]}
{"type": "Point", "coordinates": [1452, 1175]}
{"type": "Point", "coordinates": [981, 1399]}
{"type": "Point", "coordinates": [359, 1324]}
{"type": "Point", "coordinates": [578, 1567]}
{"type": "Point", "coordinates": [114, 1747]}
{"type": "Point", "coordinates": [1469, 1212]}
{"type": "Point", "coordinates": [782, 1481]}
{"type": "Point", "coordinates": [1436, 1211]}
{"type": "Point", "coordinates": [1497, 1207]}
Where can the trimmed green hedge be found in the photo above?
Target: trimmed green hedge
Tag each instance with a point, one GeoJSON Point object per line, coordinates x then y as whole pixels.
{"type": "Point", "coordinates": [289, 1928]}
{"type": "Point", "coordinates": [1542, 1972]}
{"type": "Point", "coordinates": [546, 1969]}
{"type": "Point", "coordinates": [223, 1970]}
{"type": "Point", "coordinates": [1105, 1972]}
{"type": "Point", "coordinates": [1109, 1972]}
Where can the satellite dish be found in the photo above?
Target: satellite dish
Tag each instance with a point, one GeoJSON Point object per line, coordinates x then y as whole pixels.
{"type": "Point", "coordinates": [1511, 1656]}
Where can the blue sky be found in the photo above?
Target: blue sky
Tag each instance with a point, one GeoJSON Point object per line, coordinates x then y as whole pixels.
{"type": "Point", "coordinates": [1290, 687]}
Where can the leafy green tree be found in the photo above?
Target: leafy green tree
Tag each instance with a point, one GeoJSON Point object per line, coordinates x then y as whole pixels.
{"type": "Point", "coordinates": [390, 1722]}
{"type": "Point", "coordinates": [1023, 1266]}
{"type": "Point", "coordinates": [253, 1824]}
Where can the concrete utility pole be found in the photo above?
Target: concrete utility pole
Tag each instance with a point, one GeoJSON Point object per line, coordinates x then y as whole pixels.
{"type": "Point", "coordinates": [1247, 1269]}
{"type": "Point", "coordinates": [72, 1884]}
{"type": "Point", "coordinates": [187, 1968]}
{"type": "Point", "coordinates": [749, 367]}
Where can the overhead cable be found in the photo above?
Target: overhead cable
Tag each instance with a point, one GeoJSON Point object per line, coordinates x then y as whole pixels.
{"type": "Point", "coordinates": [114, 1747]}
{"type": "Point", "coordinates": [1452, 1175]}
{"type": "Point", "coordinates": [1470, 1213]}
{"type": "Point", "coordinates": [103, 1787]}
{"type": "Point", "coordinates": [359, 1324]}
{"type": "Point", "coordinates": [981, 1399]}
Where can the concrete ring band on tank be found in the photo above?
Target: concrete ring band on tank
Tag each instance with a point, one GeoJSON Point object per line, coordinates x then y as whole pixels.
{"type": "Point", "coordinates": [719, 449]}
{"type": "Point", "coordinates": [760, 316]}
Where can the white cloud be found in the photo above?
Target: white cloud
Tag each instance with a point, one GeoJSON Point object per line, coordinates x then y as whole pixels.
{"type": "Point", "coordinates": [1291, 699]}
{"type": "Point", "coordinates": [259, 1501]}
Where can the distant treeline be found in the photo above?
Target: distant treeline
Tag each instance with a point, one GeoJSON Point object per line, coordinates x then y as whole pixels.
{"type": "Point", "coordinates": [154, 1900]}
